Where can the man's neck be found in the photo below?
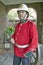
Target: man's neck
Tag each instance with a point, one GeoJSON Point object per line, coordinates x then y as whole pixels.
{"type": "Point", "coordinates": [23, 21]}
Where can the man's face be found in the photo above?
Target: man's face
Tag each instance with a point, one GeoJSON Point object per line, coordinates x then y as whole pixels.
{"type": "Point", "coordinates": [22, 15]}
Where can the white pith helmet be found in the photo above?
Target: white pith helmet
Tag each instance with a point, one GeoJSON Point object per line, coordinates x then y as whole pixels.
{"type": "Point", "coordinates": [23, 7]}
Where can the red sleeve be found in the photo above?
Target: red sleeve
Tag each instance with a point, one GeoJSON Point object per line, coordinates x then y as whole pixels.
{"type": "Point", "coordinates": [34, 39]}
{"type": "Point", "coordinates": [13, 35]}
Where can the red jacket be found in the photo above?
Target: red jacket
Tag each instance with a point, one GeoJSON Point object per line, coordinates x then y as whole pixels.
{"type": "Point", "coordinates": [25, 33]}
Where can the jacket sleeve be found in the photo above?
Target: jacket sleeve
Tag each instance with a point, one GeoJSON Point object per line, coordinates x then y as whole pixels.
{"type": "Point", "coordinates": [13, 36]}
{"type": "Point", "coordinates": [34, 39]}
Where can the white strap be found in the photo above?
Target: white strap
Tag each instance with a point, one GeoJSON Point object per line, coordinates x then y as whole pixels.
{"type": "Point", "coordinates": [21, 46]}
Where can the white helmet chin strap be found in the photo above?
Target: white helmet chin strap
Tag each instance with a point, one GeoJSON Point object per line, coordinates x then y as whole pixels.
{"type": "Point", "coordinates": [24, 18]}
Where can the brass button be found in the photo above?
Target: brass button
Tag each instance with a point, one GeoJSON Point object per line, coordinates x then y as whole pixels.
{"type": "Point", "coordinates": [16, 38]}
{"type": "Point", "coordinates": [17, 33]}
{"type": "Point", "coordinates": [20, 24]}
{"type": "Point", "coordinates": [19, 28]}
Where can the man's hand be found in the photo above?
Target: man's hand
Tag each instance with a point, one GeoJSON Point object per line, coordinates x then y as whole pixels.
{"type": "Point", "coordinates": [12, 41]}
{"type": "Point", "coordinates": [28, 54]}
{"type": "Point", "coordinates": [25, 55]}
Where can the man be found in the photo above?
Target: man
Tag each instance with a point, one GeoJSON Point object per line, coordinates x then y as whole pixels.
{"type": "Point", "coordinates": [25, 38]}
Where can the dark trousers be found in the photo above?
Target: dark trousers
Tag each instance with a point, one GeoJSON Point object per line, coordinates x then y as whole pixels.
{"type": "Point", "coordinates": [19, 60]}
